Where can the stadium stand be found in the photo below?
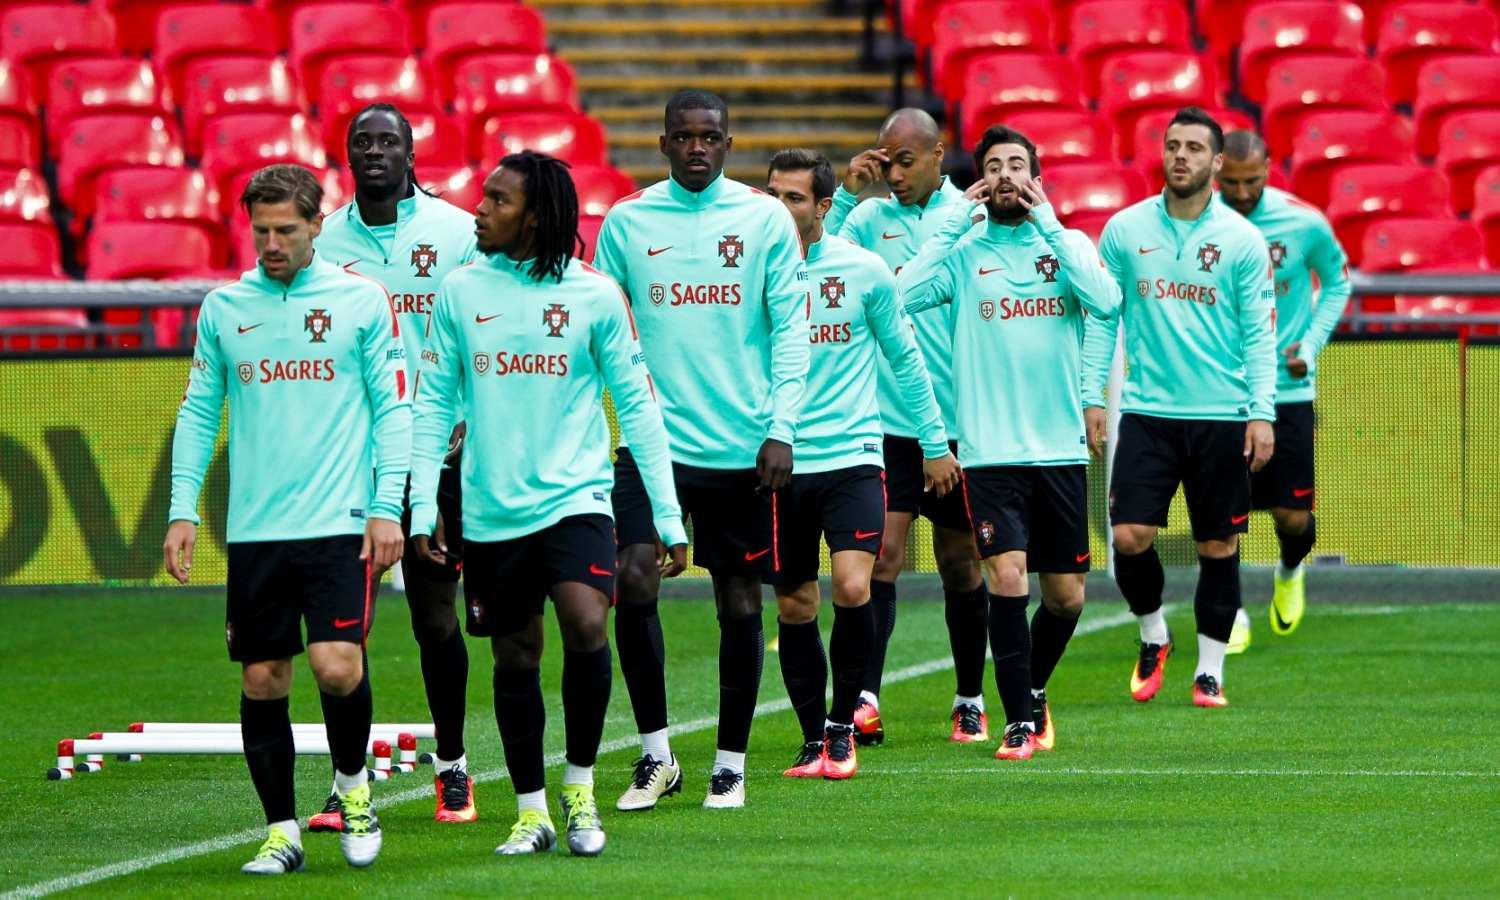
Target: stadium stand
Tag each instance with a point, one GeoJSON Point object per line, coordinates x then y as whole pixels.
{"type": "Point", "coordinates": [1364, 193]}
{"type": "Point", "coordinates": [209, 30]}
{"type": "Point", "coordinates": [1290, 28]}
{"type": "Point", "coordinates": [1413, 33]}
{"type": "Point", "coordinates": [1330, 139]}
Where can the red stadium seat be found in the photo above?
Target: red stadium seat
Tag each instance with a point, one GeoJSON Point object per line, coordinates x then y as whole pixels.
{"type": "Point", "coordinates": [280, 13]}
{"type": "Point", "coordinates": [1421, 245]}
{"type": "Point", "coordinates": [1375, 15]}
{"type": "Point", "coordinates": [214, 30]}
{"type": "Point", "coordinates": [148, 250]}
{"type": "Point", "coordinates": [1449, 84]}
{"type": "Point", "coordinates": [135, 21]}
{"type": "Point", "coordinates": [968, 28]}
{"type": "Point", "coordinates": [463, 186]}
{"type": "Point", "coordinates": [325, 31]}
{"type": "Point", "coordinates": [487, 84]}
{"type": "Point", "coordinates": [437, 140]}
{"type": "Point", "coordinates": [1303, 84]}
{"type": "Point", "coordinates": [1486, 214]}
{"type": "Point", "coordinates": [350, 83]}
{"type": "Point", "coordinates": [43, 318]}
{"type": "Point", "coordinates": [20, 145]}
{"type": "Point", "coordinates": [1412, 33]}
{"type": "Point", "coordinates": [1138, 84]}
{"type": "Point", "coordinates": [96, 143]}
{"type": "Point", "coordinates": [1468, 142]}
{"type": "Point", "coordinates": [1066, 135]}
{"type": "Point", "coordinates": [102, 84]}
{"type": "Point", "coordinates": [1362, 193]}
{"type": "Point", "coordinates": [1222, 24]}
{"type": "Point", "coordinates": [925, 15]}
{"type": "Point", "coordinates": [416, 17]}
{"type": "Point", "coordinates": [20, 123]}
{"type": "Point", "coordinates": [599, 187]}
{"type": "Point", "coordinates": [1099, 28]}
{"type": "Point", "coordinates": [1077, 189]}
{"type": "Point", "coordinates": [160, 194]}
{"type": "Point", "coordinates": [1145, 148]}
{"type": "Point", "coordinates": [1288, 28]}
{"type": "Point", "coordinates": [31, 251]}
{"type": "Point", "coordinates": [38, 36]}
{"type": "Point", "coordinates": [588, 233]}
{"type": "Point", "coordinates": [233, 84]}
{"type": "Point", "coordinates": [1002, 84]}
{"type": "Point", "coordinates": [24, 196]}
{"type": "Point", "coordinates": [239, 142]}
{"type": "Point", "coordinates": [571, 137]}
{"type": "Point", "coordinates": [1329, 139]}
{"type": "Point", "coordinates": [455, 30]}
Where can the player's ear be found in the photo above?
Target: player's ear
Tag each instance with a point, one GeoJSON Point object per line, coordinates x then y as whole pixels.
{"type": "Point", "coordinates": [728, 144]}
{"type": "Point", "coordinates": [822, 207]}
{"type": "Point", "coordinates": [937, 151]}
{"type": "Point", "coordinates": [315, 227]}
{"type": "Point", "coordinates": [661, 144]}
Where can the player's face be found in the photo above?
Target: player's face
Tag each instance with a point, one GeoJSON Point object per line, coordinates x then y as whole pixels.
{"type": "Point", "coordinates": [916, 165]}
{"type": "Point", "coordinates": [502, 223]}
{"type": "Point", "coordinates": [695, 145]}
{"type": "Point", "coordinates": [379, 155]}
{"type": "Point", "coordinates": [1242, 181]}
{"type": "Point", "coordinates": [1188, 159]}
{"type": "Point", "coordinates": [283, 239]}
{"type": "Point", "coordinates": [1006, 168]}
{"type": "Point", "coordinates": [795, 189]}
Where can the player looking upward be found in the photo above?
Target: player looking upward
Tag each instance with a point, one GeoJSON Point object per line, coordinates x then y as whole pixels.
{"type": "Point", "coordinates": [522, 346]}
{"type": "Point", "coordinates": [308, 357]}
{"type": "Point", "coordinates": [838, 488]}
{"type": "Point", "coordinates": [1302, 247]}
{"type": "Point", "coordinates": [908, 158]}
{"type": "Point", "coordinates": [714, 273]}
{"type": "Point", "coordinates": [1199, 398]}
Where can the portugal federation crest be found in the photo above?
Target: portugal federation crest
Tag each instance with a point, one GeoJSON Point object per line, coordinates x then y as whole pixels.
{"type": "Point", "coordinates": [833, 291]}
{"type": "Point", "coordinates": [1278, 254]}
{"type": "Point", "coordinates": [424, 258]}
{"type": "Point", "coordinates": [555, 317]}
{"type": "Point", "coordinates": [987, 531]}
{"type": "Point", "coordinates": [731, 248]}
{"type": "Point", "coordinates": [318, 323]}
{"type": "Point", "coordinates": [1208, 257]}
{"type": "Point", "coordinates": [1048, 266]}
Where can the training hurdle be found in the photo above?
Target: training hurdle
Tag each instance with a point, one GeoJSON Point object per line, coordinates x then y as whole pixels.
{"type": "Point", "coordinates": [405, 763]}
{"type": "Point", "coordinates": [309, 740]}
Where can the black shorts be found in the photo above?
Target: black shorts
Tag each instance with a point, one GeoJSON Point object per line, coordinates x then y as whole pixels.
{"type": "Point", "coordinates": [450, 507]}
{"type": "Point", "coordinates": [904, 481]}
{"type": "Point", "coordinates": [733, 522]}
{"type": "Point", "coordinates": [1043, 510]}
{"type": "Point", "coordinates": [1154, 454]}
{"type": "Point", "coordinates": [275, 585]}
{"type": "Point", "coordinates": [845, 506]}
{"type": "Point", "coordinates": [1287, 480]}
{"type": "Point", "coordinates": [506, 582]}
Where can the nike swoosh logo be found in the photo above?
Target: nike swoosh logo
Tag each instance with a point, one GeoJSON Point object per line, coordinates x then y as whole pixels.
{"type": "Point", "coordinates": [991, 271]}
{"type": "Point", "coordinates": [1237, 520]}
{"type": "Point", "coordinates": [1084, 557]}
{"type": "Point", "coordinates": [595, 570]}
{"type": "Point", "coordinates": [480, 320]}
{"type": "Point", "coordinates": [650, 252]}
{"type": "Point", "coordinates": [244, 328]}
{"type": "Point", "coordinates": [1302, 492]}
{"type": "Point", "coordinates": [1143, 250]}
{"type": "Point", "coordinates": [862, 535]}
{"type": "Point", "coordinates": [752, 557]}
{"type": "Point", "coordinates": [1281, 623]}
{"type": "Point", "coordinates": [892, 237]}
{"type": "Point", "coordinates": [346, 623]}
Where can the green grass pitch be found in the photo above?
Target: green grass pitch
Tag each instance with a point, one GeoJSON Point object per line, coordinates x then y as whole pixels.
{"type": "Point", "coordinates": [1357, 758]}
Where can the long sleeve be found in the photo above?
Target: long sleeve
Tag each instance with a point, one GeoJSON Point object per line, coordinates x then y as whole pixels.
{"type": "Point", "coordinates": [1257, 318]}
{"type": "Point", "coordinates": [197, 420]}
{"type": "Point", "coordinates": [617, 354]}
{"type": "Point", "coordinates": [927, 281]}
{"type": "Point", "coordinates": [609, 253]}
{"type": "Point", "coordinates": [1328, 260]}
{"type": "Point", "coordinates": [838, 214]}
{"type": "Point", "coordinates": [893, 333]}
{"type": "Point", "coordinates": [383, 364]}
{"type": "Point", "coordinates": [1087, 278]}
{"type": "Point", "coordinates": [786, 301]}
{"type": "Point", "coordinates": [434, 406]}
{"type": "Point", "coordinates": [1101, 334]}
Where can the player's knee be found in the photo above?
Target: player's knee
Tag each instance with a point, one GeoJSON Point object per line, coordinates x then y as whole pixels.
{"type": "Point", "coordinates": [338, 674]}
{"type": "Point", "coordinates": [1291, 522]}
{"type": "Point", "coordinates": [433, 617]}
{"type": "Point", "coordinates": [1219, 549]}
{"type": "Point", "coordinates": [795, 607]}
{"type": "Point", "coordinates": [637, 576]}
{"type": "Point", "coordinates": [1007, 577]}
{"type": "Point", "coordinates": [268, 680]}
{"type": "Point", "coordinates": [957, 560]}
{"type": "Point", "coordinates": [851, 589]}
{"type": "Point", "coordinates": [516, 651]}
{"type": "Point", "coordinates": [1064, 601]}
{"type": "Point", "coordinates": [1133, 539]}
{"type": "Point", "coordinates": [585, 630]}
{"type": "Point", "coordinates": [737, 596]}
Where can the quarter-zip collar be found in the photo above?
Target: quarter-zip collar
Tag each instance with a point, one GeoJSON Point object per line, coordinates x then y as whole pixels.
{"type": "Point", "coordinates": [315, 268]}
{"type": "Point", "coordinates": [697, 199]}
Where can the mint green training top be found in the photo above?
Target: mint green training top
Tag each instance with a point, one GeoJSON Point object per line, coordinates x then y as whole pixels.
{"type": "Point", "coordinates": [719, 291]}
{"type": "Point", "coordinates": [525, 363]}
{"type": "Point", "coordinates": [896, 233]}
{"type": "Point", "coordinates": [1198, 306]}
{"type": "Point", "coordinates": [855, 318]}
{"type": "Point", "coordinates": [1302, 245]}
{"type": "Point", "coordinates": [319, 410]}
{"type": "Point", "coordinates": [1018, 295]}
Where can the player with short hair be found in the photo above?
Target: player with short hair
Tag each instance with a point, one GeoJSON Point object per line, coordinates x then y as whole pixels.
{"type": "Point", "coordinates": [838, 490]}
{"type": "Point", "coordinates": [1019, 291]}
{"type": "Point", "coordinates": [408, 240]}
{"type": "Point", "coordinates": [522, 347]}
{"type": "Point", "coordinates": [309, 359]}
{"type": "Point", "coordinates": [714, 273]}
{"type": "Point", "coordinates": [1302, 246]}
{"type": "Point", "coordinates": [1199, 398]}
{"type": "Point", "coordinates": [909, 159]}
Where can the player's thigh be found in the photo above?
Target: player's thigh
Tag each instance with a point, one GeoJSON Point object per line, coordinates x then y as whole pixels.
{"type": "Point", "coordinates": [799, 532]}
{"type": "Point", "coordinates": [1060, 520]}
{"type": "Point", "coordinates": [903, 475]}
{"type": "Point", "coordinates": [734, 523]}
{"type": "Point", "coordinates": [1150, 454]}
{"type": "Point", "coordinates": [1286, 482]}
{"type": "Point", "coordinates": [1216, 482]}
{"type": "Point", "coordinates": [337, 588]}
{"type": "Point", "coordinates": [575, 560]}
{"type": "Point", "coordinates": [948, 511]}
{"type": "Point", "coordinates": [999, 501]}
{"type": "Point", "coordinates": [850, 573]}
{"type": "Point", "coordinates": [504, 586]}
{"type": "Point", "coordinates": [634, 522]}
{"type": "Point", "coordinates": [262, 615]}
{"type": "Point", "coordinates": [582, 615]}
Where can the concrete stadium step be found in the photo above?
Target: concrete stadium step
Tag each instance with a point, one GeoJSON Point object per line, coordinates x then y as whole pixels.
{"type": "Point", "coordinates": [753, 149]}
{"type": "Point", "coordinates": [750, 117]}
{"type": "Point", "coordinates": [692, 61]}
{"type": "Point", "coordinates": [560, 11]}
{"type": "Point", "coordinates": [815, 34]}
{"type": "Point", "coordinates": [740, 89]}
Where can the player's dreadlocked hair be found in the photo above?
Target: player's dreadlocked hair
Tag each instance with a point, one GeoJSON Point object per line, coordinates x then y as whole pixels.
{"type": "Point", "coordinates": [552, 198]}
{"type": "Point", "coordinates": [403, 124]}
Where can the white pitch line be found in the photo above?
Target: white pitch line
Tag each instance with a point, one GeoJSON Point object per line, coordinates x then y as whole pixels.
{"type": "Point", "coordinates": [249, 835]}
{"type": "Point", "coordinates": [1017, 770]}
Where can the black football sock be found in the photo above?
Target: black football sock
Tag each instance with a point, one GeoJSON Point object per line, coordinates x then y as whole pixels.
{"type": "Point", "coordinates": [445, 675]}
{"type": "Point", "coordinates": [347, 719]}
{"type": "Point", "coordinates": [804, 668]}
{"type": "Point", "coordinates": [883, 605]}
{"type": "Point", "coordinates": [1218, 596]}
{"type": "Point", "coordinates": [1050, 634]}
{"type": "Point", "coordinates": [643, 657]}
{"type": "Point", "coordinates": [849, 651]}
{"type": "Point", "coordinates": [1010, 642]}
{"type": "Point", "coordinates": [521, 716]}
{"type": "Point", "coordinates": [966, 613]}
{"type": "Point", "coordinates": [1295, 547]}
{"type": "Point", "coordinates": [266, 729]}
{"type": "Point", "coordinates": [586, 681]}
{"type": "Point", "coordinates": [1141, 579]}
{"type": "Point", "coordinates": [742, 656]}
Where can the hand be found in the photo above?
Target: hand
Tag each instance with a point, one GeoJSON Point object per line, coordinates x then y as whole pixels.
{"type": "Point", "coordinates": [673, 560]}
{"type": "Point", "coordinates": [1295, 365]}
{"type": "Point", "coordinates": [430, 549]}
{"type": "Point", "coordinates": [865, 169]}
{"type": "Point", "coordinates": [1030, 195]}
{"type": "Point", "coordinates": [383, 543]}
{"type": "Point", "coordinates": [456, 443]}
{"type": "Point", "coordinates": [774, 465]}
{"type": "Point", "coordinates": [941, 474]}
{"type": "Point", "coordinates": [1096, 427]}
{"type": "Point", "coordinates": [181, 536]}
{"type": "Point", "coordinates": [978, 192]}
{"type": "Point", "coordinates": [1260, 444]}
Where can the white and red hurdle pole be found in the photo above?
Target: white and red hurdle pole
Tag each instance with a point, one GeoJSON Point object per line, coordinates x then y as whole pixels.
{"type": "Point", "coordinates": [134, 743]}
